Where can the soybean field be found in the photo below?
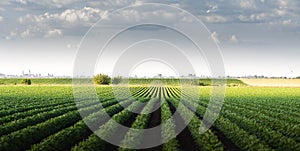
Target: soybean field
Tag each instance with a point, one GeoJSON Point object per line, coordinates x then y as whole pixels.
{"type": "Point", "coordinates": [47, 118]}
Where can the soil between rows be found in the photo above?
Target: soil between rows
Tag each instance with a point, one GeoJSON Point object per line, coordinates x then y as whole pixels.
{"type": "Point", "coordinates": [155, 120]}
{"type": "Point", "coordinates": [185, 139]}
{"type": "Point", "coordinates": [227, 144]}
{"type": "Point", "coordinates": [120, 134]}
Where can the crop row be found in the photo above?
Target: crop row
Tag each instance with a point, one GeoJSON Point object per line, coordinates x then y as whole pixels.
{"type": "Point", "coordinates": [232, 131]}
{"type": "Point", "coordinates": [206, 141]}
{"type": "Point", "coordinates": [37, 118]}
{"type": "Point", "coordinates": [79, 130]}
{"type": "Point", "coordinates": [133, 137]}
{"type": "Point", "coordinates": [255, 124]}
{"type": "Point", "coordinates": [36, 104]}
{"type": "Point", "coordinates": [168, 128]}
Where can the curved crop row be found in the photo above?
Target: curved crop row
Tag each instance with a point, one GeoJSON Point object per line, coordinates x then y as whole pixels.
{"type": "Point", "coordinates": [238, 136]}
{"type": "Point", "coordinates": [206, 141]}
{"type": "Point", "coordinates": [79, 130]}
{"type": "Point", "coordinates": [20, 115]}
{"type": "Point", "coordinates": [21, 140]}
{"type": "Point", "coordinates": [106, 130]}
{"type": "Point", "coordinates": [37, 118]}
{"type": "Point", "coordinates": [51, 102]}
{"type": "Point", "coordinates": [133, 137]}
{"type": "Point", "coordinates": [168, 128]}
{"type": "Point", "coordinates": [283, 127]}
{"type": "Point", "coordinates": [275, 139]}
{"type": "Point", "coordinates": [7, 112]}
{"type": "Point", "coordinates": [286, 115]}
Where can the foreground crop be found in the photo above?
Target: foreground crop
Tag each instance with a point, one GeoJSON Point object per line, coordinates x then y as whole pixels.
{"type": "Point", "coordinates": [46, 118]}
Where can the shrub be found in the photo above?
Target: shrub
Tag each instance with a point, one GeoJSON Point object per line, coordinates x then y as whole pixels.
{"type": "Point", "coordinates": [117, 80]}
{"type": "Point", "coordinates": [102, 79]}
{"type": "Point", "coordinates": [26, 81]}
{"type": "Point", "coordinates": [203, 84]}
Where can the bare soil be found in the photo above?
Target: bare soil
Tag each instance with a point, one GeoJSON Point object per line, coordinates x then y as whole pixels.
{"type": "Point", "coordinates": [155, 120]}
{"type": "Point", "coordinates": [272, 82]}
{"type": "Point", "coordinates": [185, 139]}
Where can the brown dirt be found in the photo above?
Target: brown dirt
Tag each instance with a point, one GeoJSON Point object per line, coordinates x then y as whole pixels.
{"type": "Point", "coordinates": [120, 134]}
{"type": "Point", "coordinates": [155, 120]}
{"type": "Point", "coordinates": [227, 144]}
{"type": "Point", "coordinates": [185, 139]}
{"type": "Point", "coordinates": [272, 82]}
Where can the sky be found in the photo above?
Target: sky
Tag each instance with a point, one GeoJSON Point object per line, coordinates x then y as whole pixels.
{"type": "Point", "coordinates": [255, 37]}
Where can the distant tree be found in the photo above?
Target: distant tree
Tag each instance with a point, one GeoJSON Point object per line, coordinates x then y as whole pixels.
{"type": "Point", "coordinates": [117, 80]}
{"type": "Point", "coordinates": [102, 79]}
{"type": "Point", "coordinates": [26, 81]}
{"type": "Point", "coordinates": [195, 82]}
{"type": "Point", "coordinates": [202, 84]}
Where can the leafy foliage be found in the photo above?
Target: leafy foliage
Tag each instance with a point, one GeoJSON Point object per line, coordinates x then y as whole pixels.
{"type": "Point", "coordinates": [102, 79]}
{"type": "Point", "coordinates": [117, 80]}
{"type": "Point", "coordinates": [26, 81]}
{"type": "Point", "coordinates": [46, 118]}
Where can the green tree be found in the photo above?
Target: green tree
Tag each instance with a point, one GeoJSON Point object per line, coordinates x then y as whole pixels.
{"type": "Point", "coordinates": [102, 79]}
{"type": "Point", "coordinates": [26, 81]}
{"type": "Point", "coordinates": [117, 80]}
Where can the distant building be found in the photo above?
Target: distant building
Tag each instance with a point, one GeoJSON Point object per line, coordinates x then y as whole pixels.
{"type": "Point", "coordinates": [191, 75]}
{"type": "Point", "coordinates": [12, 76]}
{"type": "Point", "coordinates": [158, 76]}
{"type": "Point", "coordinates": [2, 75]}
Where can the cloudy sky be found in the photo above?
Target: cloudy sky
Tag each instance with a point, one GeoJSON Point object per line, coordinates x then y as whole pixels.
{"type": "Point", "coordinates": [255, 36]}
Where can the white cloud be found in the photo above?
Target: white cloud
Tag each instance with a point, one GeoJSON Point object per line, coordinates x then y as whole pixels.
{"type": "Point", "coordinates": [280, 12]}
{"type": "Point", "coordinates": [287, 22]}
{"type": "Point", "coordinates": [1, 19]}
{"type": "Point", "coordinates": [253, 17]}
{"type": "Point", "coordinates": [214, 19]}
{"type": "Point", "coordinates": [87, 14]}
{"type": "Point", "coordinates": [72, 46]}
{"type": "Point", "coordinates": [5, 2]}
{"type": "Point", "coordinates": [53, 33]}
{"type": "Point", "coordinates": [212, 9]}
{"type": "Point", "coordinates": [73, 17]}
{"type": "Point", "coordinates": [243, 18]}
{"type": "Point", "coordinates": [233, 39]}
{"type": "Point", "coordinates": [215, 36]}
{"type": "Point", "coordinates": [188, 19]}
{"type": "Point", "coordinates": [283, 3]}
{"type": "Point", "coordinates": [129, 15]}
{"type": "Point", "coordinates": [34, 31]}
{"type": "Point", "coordinates": [12, 35]}
{"type": "Point", "coordinates": [30, 31]}
{"type": "Point", "coordinates": [176, 5]}
{"type": "Point", "coordinates": [46, 25]}
{"type": "Point", "coordinates": [248, 4]}
{"type": "Point", "coordinates": [49, 3]}
{"type": "Point", "coordinates": [22, 1]}
{"type": "Point", "coordinates": [84, 16]}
